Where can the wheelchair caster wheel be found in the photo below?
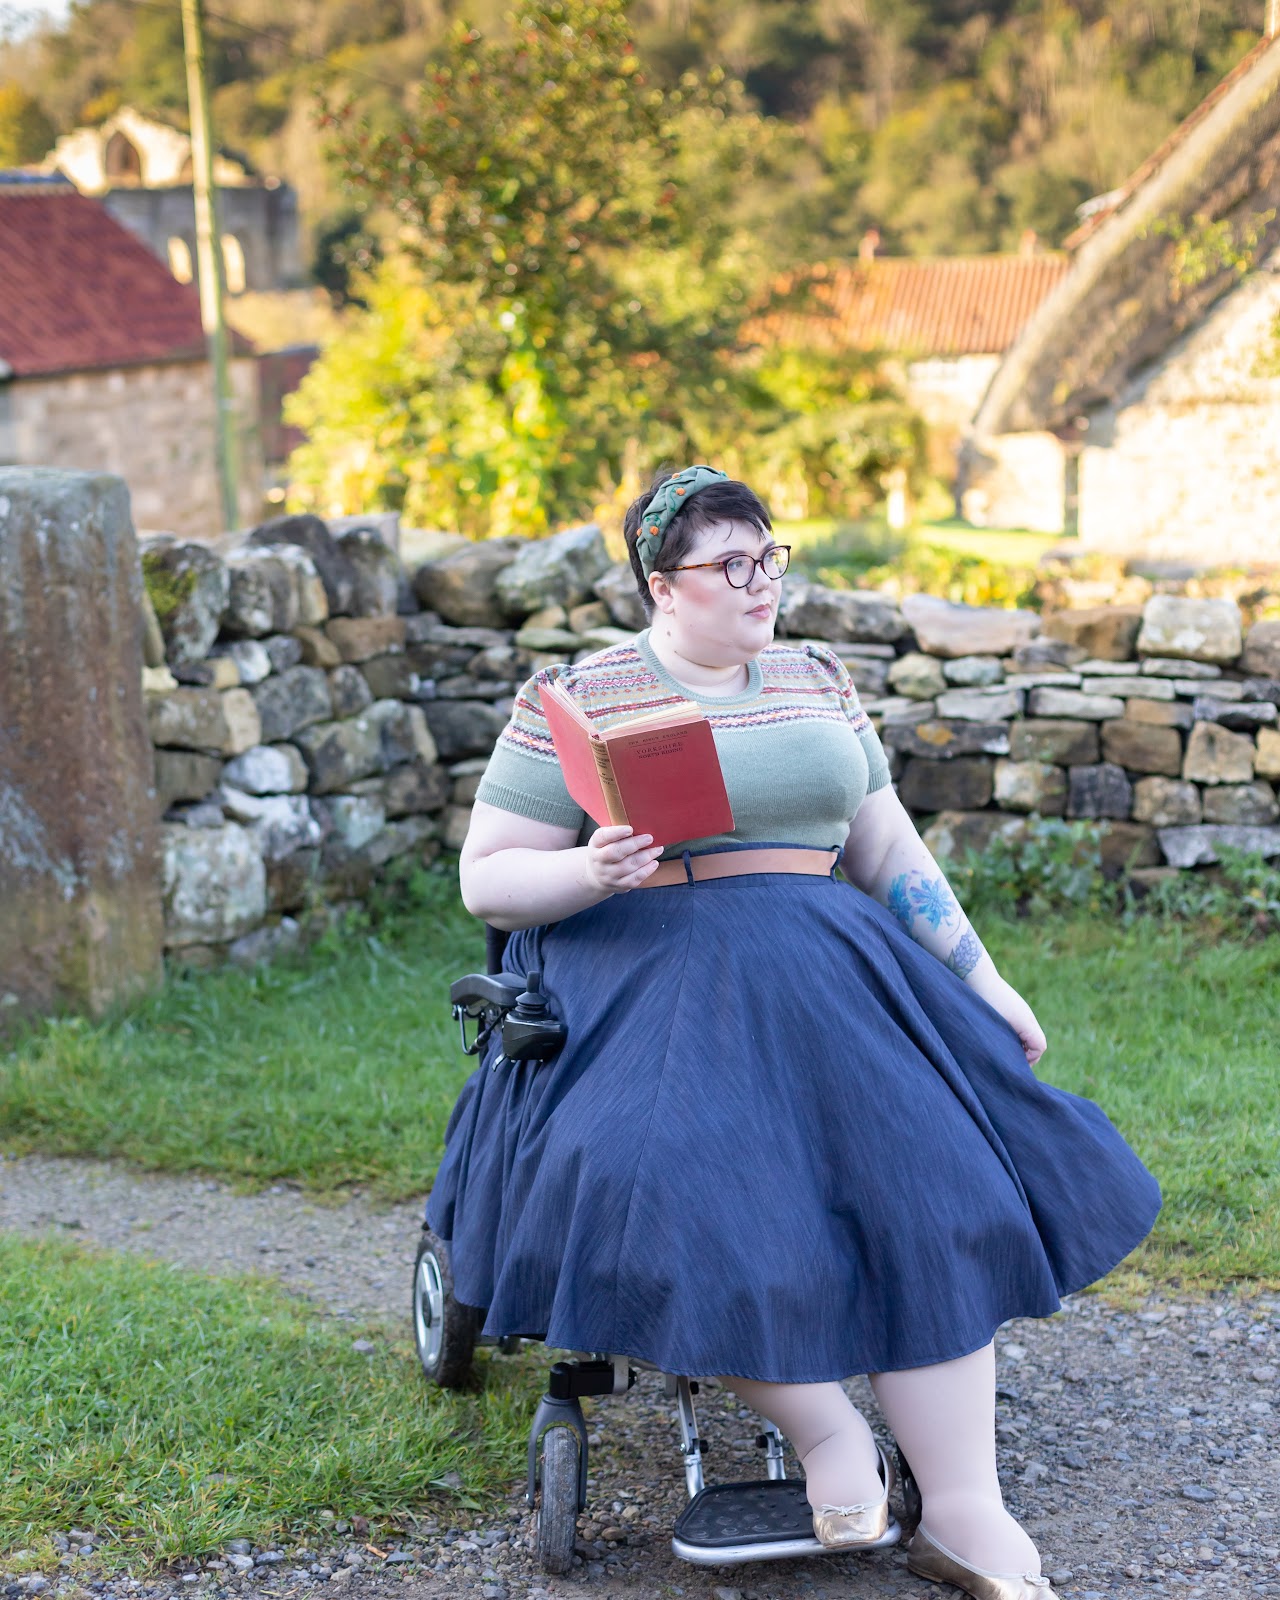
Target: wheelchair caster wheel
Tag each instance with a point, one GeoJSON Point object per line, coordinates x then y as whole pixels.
{"type": "Point", "coordinates": [911, 1503]}
{"type": "Point", "coordinates": [556, 1527]}
{"type": "Point", "coordinates": [443, 1330]}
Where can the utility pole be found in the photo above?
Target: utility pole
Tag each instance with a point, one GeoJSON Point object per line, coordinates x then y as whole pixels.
{"type": "Point", "coordinates": [209, 257]}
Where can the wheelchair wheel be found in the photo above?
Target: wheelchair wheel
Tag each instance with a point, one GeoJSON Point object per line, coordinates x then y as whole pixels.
{"type": "Point", "coordinates": [911, 1503]}
{"type": "Point", "coordinates": [443, 1330]}
{"type": "Point", "coordinates": [557, 1516]}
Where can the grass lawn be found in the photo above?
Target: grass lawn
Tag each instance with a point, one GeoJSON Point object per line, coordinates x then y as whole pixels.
{"type": "Point", "coordinates": [342, 1070]}
{"type": "Point", "coordinates": [170, 1412]}
{"type": "Point", "coordinates": [824, 538]}
{"type": "Point", "coordinates": [337, 1071]}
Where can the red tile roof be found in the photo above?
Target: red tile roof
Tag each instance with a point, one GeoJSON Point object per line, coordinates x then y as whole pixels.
{"type": "Point", "coordinates": [964, 305]}
{"type": "Point", "coordinates": [79, 291]}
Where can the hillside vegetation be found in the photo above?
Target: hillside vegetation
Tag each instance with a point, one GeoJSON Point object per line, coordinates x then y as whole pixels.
{"type": "Point", "coordinates": [949, 126]}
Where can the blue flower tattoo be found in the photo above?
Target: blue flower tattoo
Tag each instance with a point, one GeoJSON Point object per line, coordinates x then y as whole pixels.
{"type": "Point", "coordinates": [965, 954]}
{"type": "Point", "coordinates": [899, 902]}
{"type": "Point", "coordinates": [934, 902]}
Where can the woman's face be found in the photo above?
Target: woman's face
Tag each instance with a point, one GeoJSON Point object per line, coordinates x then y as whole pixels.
{"type": "Point", "coordinates": [703, 615]}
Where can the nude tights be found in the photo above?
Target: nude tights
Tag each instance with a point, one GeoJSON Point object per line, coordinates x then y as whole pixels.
{"type": "Point", "coordinates": [943, 1418]}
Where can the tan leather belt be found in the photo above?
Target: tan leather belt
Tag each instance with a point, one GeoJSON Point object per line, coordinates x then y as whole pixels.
{"type": "Point", "coordinates": [739, 863]}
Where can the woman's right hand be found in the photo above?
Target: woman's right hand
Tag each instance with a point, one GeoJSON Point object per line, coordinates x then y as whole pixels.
{"type": "Point", "coordinates": [618, 859]}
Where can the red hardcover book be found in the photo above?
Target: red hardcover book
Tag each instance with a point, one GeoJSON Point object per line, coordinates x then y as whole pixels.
{"type": "Point", "coordinates": [659, 773]}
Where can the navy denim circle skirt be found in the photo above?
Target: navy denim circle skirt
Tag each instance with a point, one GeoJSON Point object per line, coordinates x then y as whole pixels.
{"type": "Point", "coordinates": [781, 1142]}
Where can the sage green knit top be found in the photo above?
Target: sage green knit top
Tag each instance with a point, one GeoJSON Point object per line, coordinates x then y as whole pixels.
{"type": "Point", "coordinates": [798, 752]}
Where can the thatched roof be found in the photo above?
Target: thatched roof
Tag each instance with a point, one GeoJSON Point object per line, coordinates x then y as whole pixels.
{"type": "Point", "coordinates": [1125, 301]}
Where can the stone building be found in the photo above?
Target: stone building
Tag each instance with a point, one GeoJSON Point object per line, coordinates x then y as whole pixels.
{"type": "Point", "coordinates": [1140, 406]}
{"type": "Point", "coordinates": [141, 171]}
{"type": "Point", "coordinates": [103, 366]}
{"type": "Point", "coordinates": [948, 321]}
{"type": "Point", "coordinates": [943, 324]}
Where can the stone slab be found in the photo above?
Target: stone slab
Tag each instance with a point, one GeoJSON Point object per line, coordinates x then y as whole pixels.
{"type": "Point", "coordinates": [1057, 740]}
{"type": "Point", "coordinates": [961, 784]}
{"type": "Point", "coordinates": [1216, 755]}
{"type": "Point", "coordinates": [1031, 786]}
{"type": "Point", "coordinates": [462, 586]}
{"type": "Point", "coordinates": [1194, 629]}
{"type": "Point", "coordinates": [1101, 790]}
{"type": "Point", "coordinates": [1160, 713]}
{"type": "Point", "coordinates": [973, 672]}
{"type": "Point", "coordinates": [953, 834]}
{"type": "Point", "coordinates": [1049, 679]}
{"type": "Point", "coordinates": [293, 700]}
{"type": "Point", "coordinates": [215, 886]}
{"type": "Point", "coordinates": [361, 638]}
{"type": "Point", "coordinates": [1166, 802]}
{"type": "Point", "coordinates": [1074, 704]}
{"type": "Point", "coordinates": [1097, 667]}
{"type": "Point", "coordinates": [1262, 649]}
{"type": "Point", "coordinates": [1148, 688]}
{"type": "Point", "coordinates": [1167, 667]}
{"type": "Point", "coordinates": [995, 704]}
{"type": "Point", "coordinates": [840, 616]}
{"type": "Point", "coordinates": [561, 569]}
{"type": "Point", "coordinates": [1198, 846]}
{"type": "Point", "coordinates": [80, 904]}
{"type": "Point", "coordinates": [1253, 804]}
{"type": "Point", "coordinates": [1267, 761]}
{"type": "Point", "coordinates": [937, 739]}
{"type": "Point", "coordinates": [1241, 716]}
{"type": "Point", "coordinates": [1142, 747]}
{"type": "Point", "coordinates": [1193, 688]}
{"type": "Point", "coordinates": [944, 628]}
{"type": "Point", "coordinates": [1107, 632]}
{"type": "Point", "coordinates": [184, 775]}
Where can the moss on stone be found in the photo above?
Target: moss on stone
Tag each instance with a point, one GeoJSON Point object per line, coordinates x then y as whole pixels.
{"type": "Point", "coordinates": [168, 590]}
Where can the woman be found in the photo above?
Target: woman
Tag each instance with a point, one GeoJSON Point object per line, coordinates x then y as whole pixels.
{"type": "Point", "coordinates": [794, 1133]}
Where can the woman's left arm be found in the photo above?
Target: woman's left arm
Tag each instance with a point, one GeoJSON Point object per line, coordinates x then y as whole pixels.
{"type": "Point", "coordinates": [886, 858]}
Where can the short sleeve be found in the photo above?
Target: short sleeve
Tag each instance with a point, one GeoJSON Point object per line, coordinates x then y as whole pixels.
{"type": "Point", "coordinates": [524, 773]}
{"type": "Point", "coordinates": [859, 721]}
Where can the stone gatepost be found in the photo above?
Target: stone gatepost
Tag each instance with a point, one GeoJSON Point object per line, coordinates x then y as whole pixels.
{"type": "Point", "coordinates": [80, 915]}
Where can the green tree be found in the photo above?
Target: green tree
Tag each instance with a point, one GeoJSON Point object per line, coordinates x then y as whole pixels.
{"type": "Point", "coordinates": [26, 134]}
{"type": "Point", "coordinates": [583, 288]}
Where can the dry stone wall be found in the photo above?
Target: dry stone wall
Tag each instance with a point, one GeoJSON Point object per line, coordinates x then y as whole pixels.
{"type": "Point", "coordinates": [321, 712]}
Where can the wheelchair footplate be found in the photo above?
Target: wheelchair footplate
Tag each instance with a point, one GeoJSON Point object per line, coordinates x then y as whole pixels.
{"type": "Point", "coordinates": [766, 1520]}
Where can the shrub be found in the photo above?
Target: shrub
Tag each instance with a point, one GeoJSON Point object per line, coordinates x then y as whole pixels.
{"type": "Point", "coordinates": [1049, 865]}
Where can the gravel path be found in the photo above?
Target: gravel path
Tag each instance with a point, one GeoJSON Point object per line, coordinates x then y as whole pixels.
{"type": "Point", "coordinates": [1140, 1447]}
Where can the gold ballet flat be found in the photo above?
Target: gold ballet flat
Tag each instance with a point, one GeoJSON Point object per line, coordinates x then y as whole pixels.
{"type": "Point", "coordinates": [851, 1527]}
{"type": "Point", "coordinates": [928, 1559]}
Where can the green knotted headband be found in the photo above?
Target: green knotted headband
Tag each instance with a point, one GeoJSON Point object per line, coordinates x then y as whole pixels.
{"type": "Point", "coordinates": [664, 505]}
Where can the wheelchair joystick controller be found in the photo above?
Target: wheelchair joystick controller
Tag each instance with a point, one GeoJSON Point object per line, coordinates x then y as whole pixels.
{"type": "Point", "coordinates": [530, 1030]}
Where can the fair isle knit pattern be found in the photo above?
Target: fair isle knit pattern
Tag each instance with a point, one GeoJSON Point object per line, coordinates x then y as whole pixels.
{"type": "Point", "coordinates": [804, 684]}
{"type": "Point", "coordinates": [796, 718]}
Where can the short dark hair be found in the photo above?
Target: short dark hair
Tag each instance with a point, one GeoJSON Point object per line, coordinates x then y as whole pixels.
{"type": "Point", "coordinates": [729, 501]}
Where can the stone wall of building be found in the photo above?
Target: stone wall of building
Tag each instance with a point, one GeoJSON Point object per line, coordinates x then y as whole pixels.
{"type": "Point", "coordinates": [1184, 465]}
{"type": "Point", "coordinates": [1188, 460]}
{"type": "Point", "coordinates": [322, 713]}
{"type": "Point", "coordinates": [261, 219]}
{"type": "Point", "coordinates": [1018, 480]}
{"type": "Point", "coordinates": [151, 425]}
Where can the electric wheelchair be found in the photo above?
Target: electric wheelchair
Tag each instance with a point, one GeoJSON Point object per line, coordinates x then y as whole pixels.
{"type": "Point", "coordinates": [766, 1519]}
